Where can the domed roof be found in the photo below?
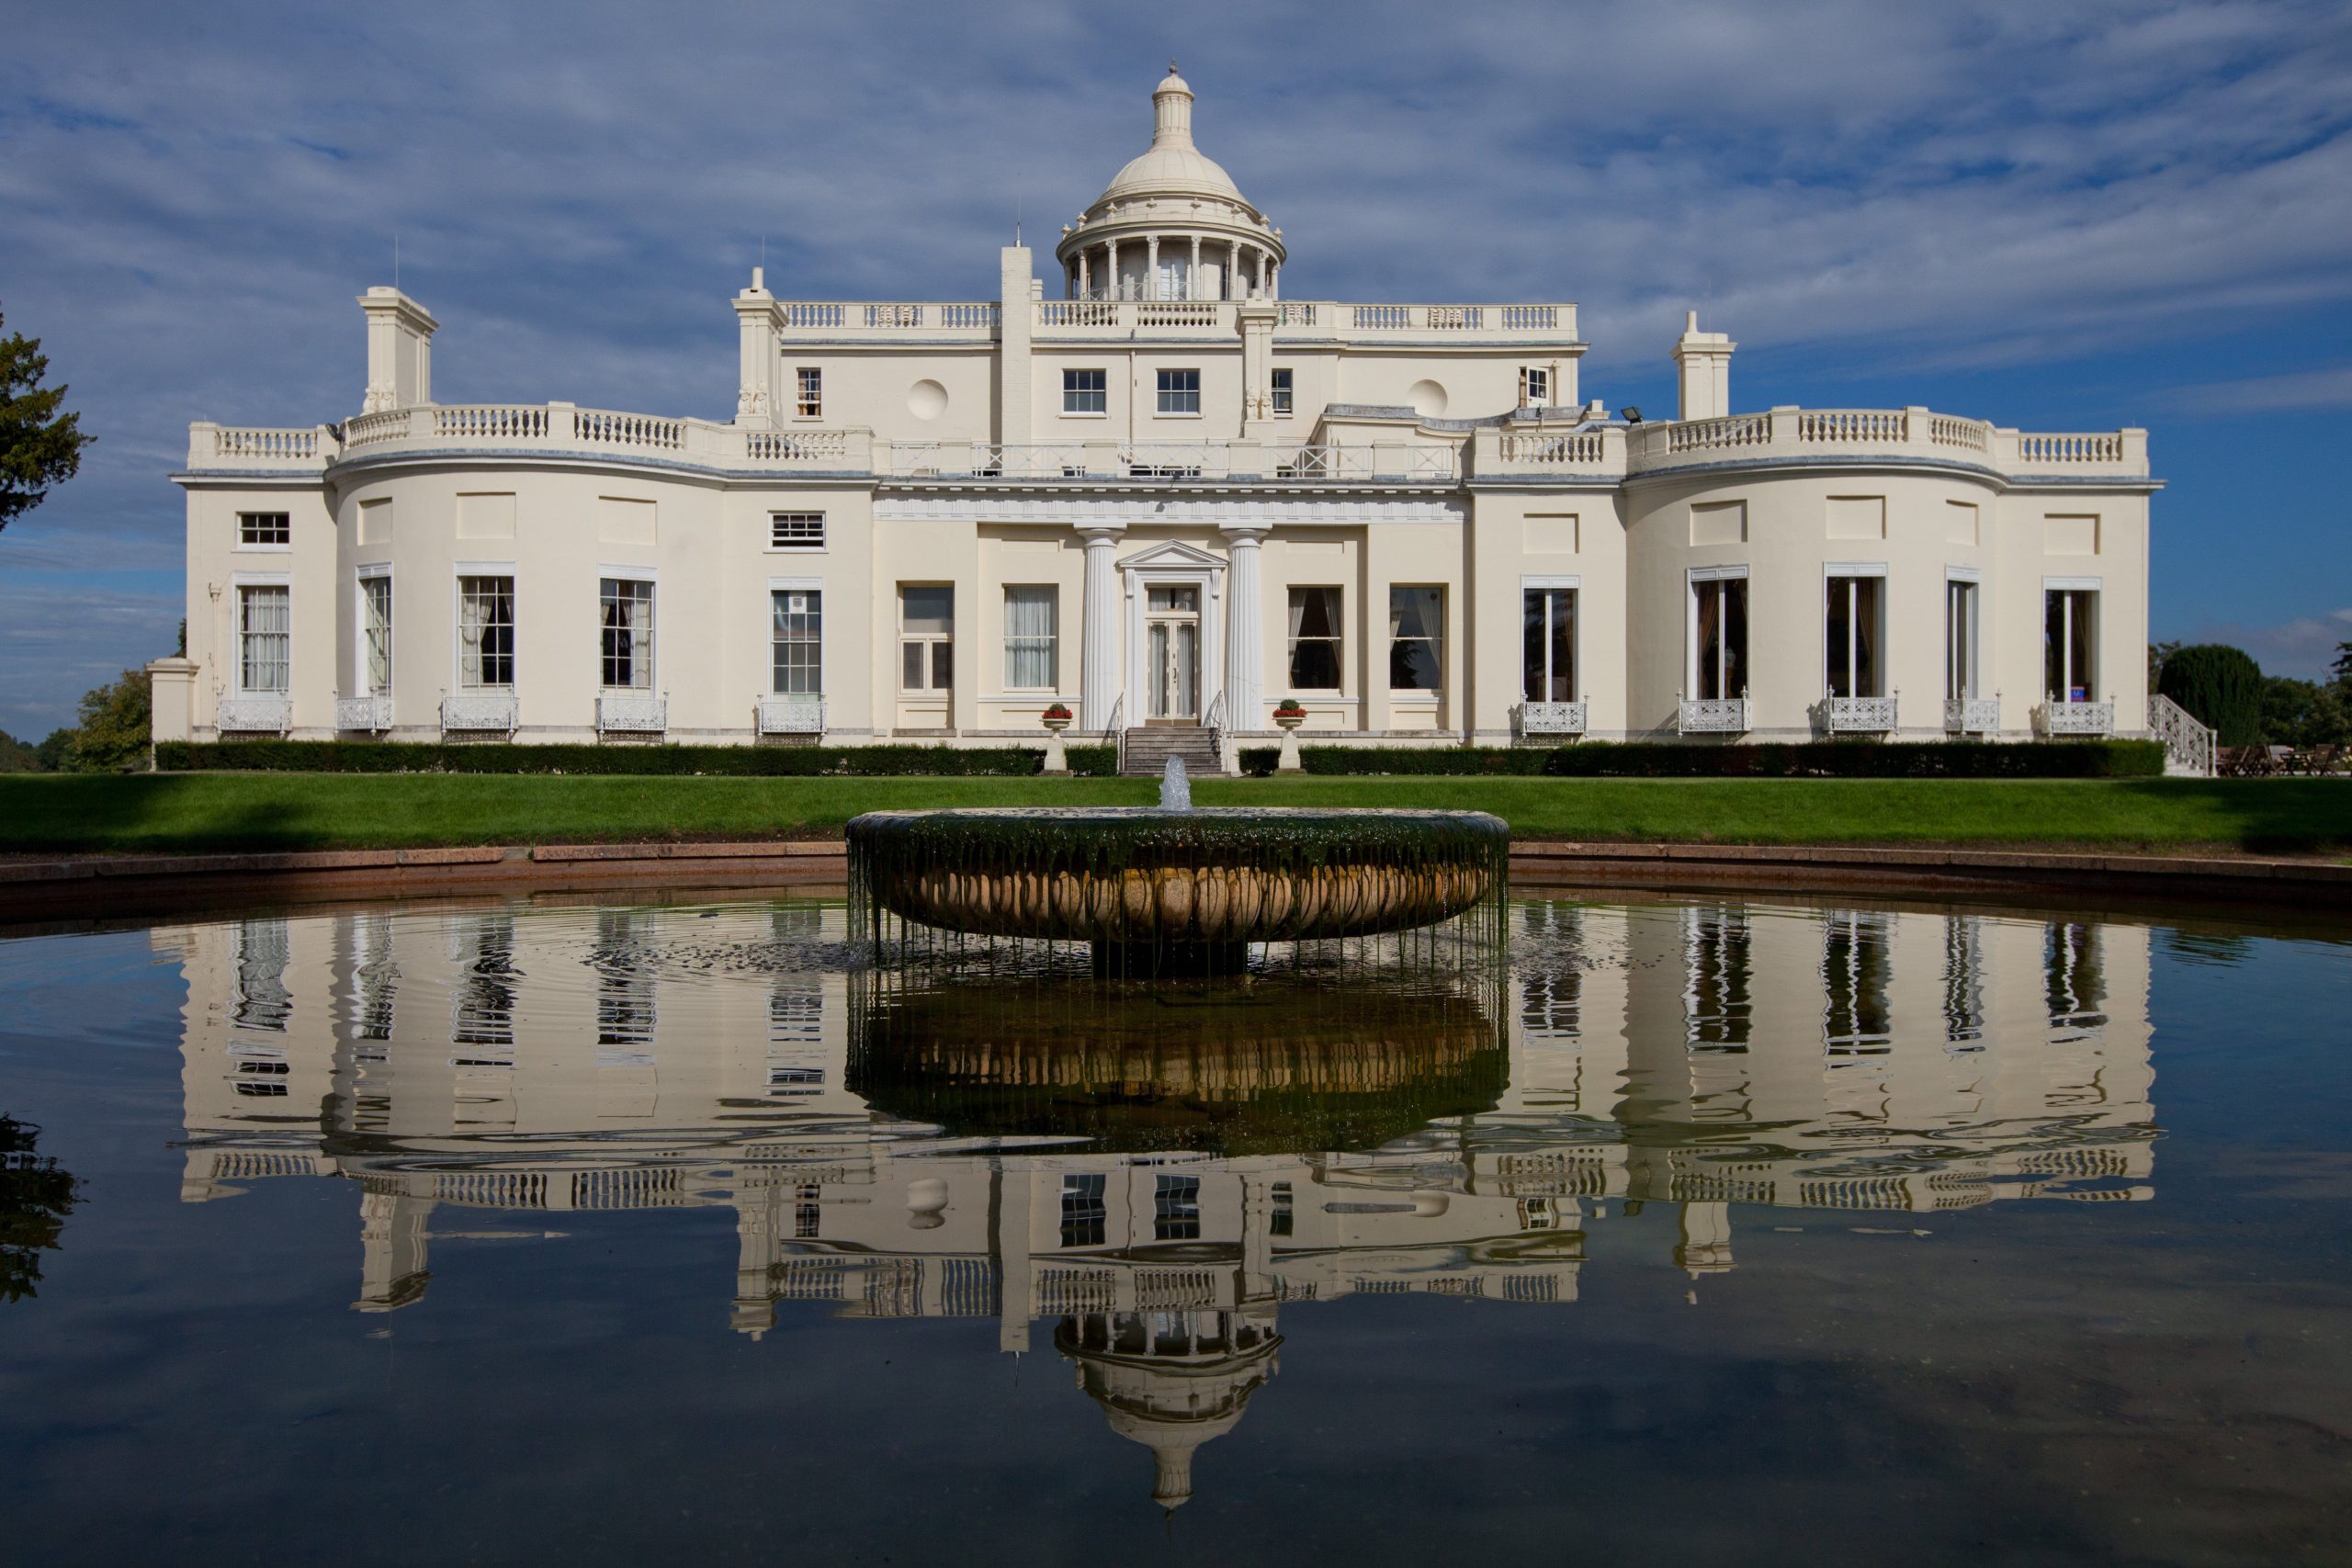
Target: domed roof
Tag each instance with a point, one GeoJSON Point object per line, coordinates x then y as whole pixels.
{"type": "Point", "coordinates": [1173, 165]}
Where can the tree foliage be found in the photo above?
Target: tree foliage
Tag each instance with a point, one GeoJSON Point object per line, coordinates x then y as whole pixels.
{"type": "Point", "coordinates": [18, 756]}
{"type": "Point", "coordinates": [40, 442]}
{"type": "Point", "coordinates": [113, 734]}
{"type": "Point", "coordinates": [2222, 688]}
{"type": "Point", "coordinates": [35, 1198]}
{"type": "Point", "coordinates": [2305, 713]}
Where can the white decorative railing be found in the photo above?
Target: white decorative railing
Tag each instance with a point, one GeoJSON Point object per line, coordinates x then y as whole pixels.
{"type": "Point", "coordinates": [494, 421]}
{"type": "Point", "coordinates": [1859, 716]}
{"type": "Point", "coordinates": [267, 714]}
{"type": "Point", "coordinates": [791, 715]}
{"type": "Point", "coordinates": [1713, 716]}
{"type": "Point", "coordinates": [478, 711]}
{"type": "Point", "coordinates": [1553, 449]}
{"type": "Point", "coordinates": [1295, 314]}
{"type": "Point", "coordinates": [2101, 447]}
{"type": "Point", "coordinates": [1554, 323]}
{"type": "Point", "coordinates": [1971, 716]}
{"type": "Point", "coordinates": [628, 713]}
{"type": "Point", "coordinates": [2188, 743]}
{"type": "Point", "coordinates": [1176, 313]}
{"type": "Point", "coordinates": [1377, 461]}
{"type": "Point", "coordinates": [1914, 432]}
{"type": "Point", "coordinates": [255, 446]}
{"type": "Point", "coordinates": [1705, 434]}
{"type": "Point", "coordinates": [795, 445]}
{"type": "Point", "coordinates": [372, 714]}
{"type": "Point", "coordinates": [2076, 718]}
{"type": "Point", "coordinates": [1551, 718]}
{"type": "Point", "coordinates": [367, 429]}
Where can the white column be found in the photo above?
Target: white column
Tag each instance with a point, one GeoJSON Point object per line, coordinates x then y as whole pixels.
{"type": "Point", "coordinates": [1233, 269]}
{"type": "Point", "coordinates": [1111, 263]}
{"type": "Point", "coordinates": [1098, 668]}
{"type": "Point", "coordinates": [1244, 633]}
{"type": "Point", "coordinates": [1085, 281]}
{"type": "Point", "coordinates": [1151, 267]}
{"type": "Point", "coordinates": [1192, 278]}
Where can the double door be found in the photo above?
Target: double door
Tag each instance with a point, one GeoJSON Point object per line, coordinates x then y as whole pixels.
{"type": "Point", "coordinates": [1172, 654]}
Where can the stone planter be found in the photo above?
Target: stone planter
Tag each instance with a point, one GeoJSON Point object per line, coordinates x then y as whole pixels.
{"type": "Point", "coordinates": [1057, 759]}
{"type": "Point", "coordinates": [1289, 722]}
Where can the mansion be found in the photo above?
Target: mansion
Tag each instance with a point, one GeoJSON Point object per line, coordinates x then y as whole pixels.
{"type": "Point", "coordinates": [1156, 490]}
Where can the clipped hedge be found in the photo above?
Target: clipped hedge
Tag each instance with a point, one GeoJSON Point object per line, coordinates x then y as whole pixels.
{"type": "Point", "coordinates": [735, 762]}
{"type": "Point", "coordinates": [1824, 760]}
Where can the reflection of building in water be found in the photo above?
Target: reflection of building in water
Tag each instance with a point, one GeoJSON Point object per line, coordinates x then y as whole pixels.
{"type": "Point", "coordinates": [1691, 1054]}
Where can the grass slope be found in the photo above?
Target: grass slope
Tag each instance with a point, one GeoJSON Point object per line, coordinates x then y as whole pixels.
{"type": "Point", "coordinates": [284, 811]}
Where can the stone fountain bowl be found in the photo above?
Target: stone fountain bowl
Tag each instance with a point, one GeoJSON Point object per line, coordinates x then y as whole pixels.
{"type": "Point", "coordinates": [1209, 877]}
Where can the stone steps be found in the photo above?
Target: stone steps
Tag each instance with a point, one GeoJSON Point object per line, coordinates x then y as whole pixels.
{"type": "Point", "coordinates": [1148, 750]}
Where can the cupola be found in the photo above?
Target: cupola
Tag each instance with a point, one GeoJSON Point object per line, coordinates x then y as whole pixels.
{"type": "Point", "coordinates": [1171, 224]}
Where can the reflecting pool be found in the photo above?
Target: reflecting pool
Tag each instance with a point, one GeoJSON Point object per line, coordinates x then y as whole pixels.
{"type": "Point", "coordinates": [1696, 1229]}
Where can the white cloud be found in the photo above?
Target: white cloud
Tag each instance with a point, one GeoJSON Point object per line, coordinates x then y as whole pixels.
{"type": "Point", "coordinates": [2330, 388]}
{"type": "Point", "coordinates": [2304, 647]}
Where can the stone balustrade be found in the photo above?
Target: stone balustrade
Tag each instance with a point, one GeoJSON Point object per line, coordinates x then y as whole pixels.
{"type": "Point", "coordinates": [1371, 462]}
{"type": "Point", "coordinates": [1322, 318]}
{"type": "Point", "coordinates": [1521, 449]}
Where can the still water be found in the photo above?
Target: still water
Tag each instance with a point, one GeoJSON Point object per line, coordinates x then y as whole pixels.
{"type": "Point", "coordinates": [1702, 1230]}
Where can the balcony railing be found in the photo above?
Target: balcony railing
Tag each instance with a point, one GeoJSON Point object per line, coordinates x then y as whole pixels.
{"type": "Point", "coordinates": [1097, 317]}
{"type": "Point", "coordinates": [563, 428]}
{"type": "Point", "coordinates": [1916, 433]}
{"type": "Point", "coordinates": [791, 715]}
{"type": "Point", "coordinates": [628, 713]}
{"type": "Point", "coordinates": [1551, 718]}
{"type": "Point", "coordinates": [478, 713]}
{"type": "Point", "coordinates": [1859, 716]}
{"type": "Point", "coordinates": [1713, 716]}
{"type": "Point", "coordinates": [254, 714]}
{"type": "Point", "coordinates": [1214, 460]}
{"type": "Point", "coordinates": [1971, 716]}
{"type": "Point", "coordinates": [370, 716]}
{"type": "Point", "coordinates": [2058, 718]}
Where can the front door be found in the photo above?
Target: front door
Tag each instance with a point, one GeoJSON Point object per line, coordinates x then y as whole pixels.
{"type": "Point", "coordinates": [1172, 654]}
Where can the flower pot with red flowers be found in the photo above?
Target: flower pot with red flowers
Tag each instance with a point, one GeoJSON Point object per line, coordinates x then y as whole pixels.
{"type": "Point", "coordinates": [1289, 714]}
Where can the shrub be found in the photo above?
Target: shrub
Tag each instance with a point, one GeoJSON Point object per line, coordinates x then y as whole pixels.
{"type": "Point", "coordinates": [2220, 687]}
{"type": "Point", "coordinates": [741, 761]}
{"type": "Point", "coordinates": [1902, 759]}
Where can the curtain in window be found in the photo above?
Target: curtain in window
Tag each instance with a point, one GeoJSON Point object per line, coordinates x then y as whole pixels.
{"type": "Point", "coordinates": [265, 652]}
{"type": "Point", "coordinates": [1314, 639]}
{"type": "Point", "coordinates": [378, 595]}
{"type": "Point", "coordinates": [796, 637]}
{"type": "Point", "coordinates": [1031, 614]}
{"type": "Point", "coordinates": [629, 634]}
{"type": "Point", "coordinates": [1711, 631]}
{"type": "Point", "coordinates": [1416, 625]}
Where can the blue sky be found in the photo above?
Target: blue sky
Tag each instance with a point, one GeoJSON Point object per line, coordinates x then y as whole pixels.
{"type": "Point", "coordinates": [2057, 216]}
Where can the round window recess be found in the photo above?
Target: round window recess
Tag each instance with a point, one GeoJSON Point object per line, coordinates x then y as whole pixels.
{"type": "Point", "coordinates": [926, 399]}
{"type": "Point", "coordinates": [1429, 399]}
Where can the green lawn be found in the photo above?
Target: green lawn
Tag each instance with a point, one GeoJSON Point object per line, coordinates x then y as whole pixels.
{"type": "Point", "coordinates": [276, 811]}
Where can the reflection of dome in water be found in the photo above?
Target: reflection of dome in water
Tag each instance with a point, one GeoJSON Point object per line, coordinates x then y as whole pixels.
{"type": "Point", "coordinates": [1284, 1065]}
{"type": "Point", "coordinates": [1171, 1381]}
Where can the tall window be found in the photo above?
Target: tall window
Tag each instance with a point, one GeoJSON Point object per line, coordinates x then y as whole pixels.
{"type": "Point", "coordinates": [796, 641]}
{"type": "Point", "coordinates": [1416, 638]}
{"type": "Point", "coordinates": [375, 633]}
{"type": "Point", "coordinates": [1282, 391]}
{"type": "Point", "coordinates": [1548, 645]}
{"type": "Point", "coordinates": [485, 632]}
{"type": "Point", "coordinates": [265, 644]}
{"type": "Point", "coordinates": [1535, 387]}
{"type": "Point", "coordinates": [1180, 391]}
{"type": "Point", "coordinates": [264, 528]}
{"type": "Point", "coordinates": [2076, 979]}
{"type": "Point", "coordinates": [1960, 639]}
{"type": "Point", "coordinates": [629, 634]}
{"type": "Point", "coordinates": [1855, 632]}
{"type": "Point", "coordinates": [810, 405]}
{"type": "Point", "coordinates": [796, 530]}
{"type": "Point", "coordinates": [1719, 638]}
{"type": "Point", "coordinates": [1314, 639]}
{"type": "Point", "coordinates": [1176, 1208]}
{"type": "Point", "coordinates": [2069, 645]}
{"type": "Point", "coordinates": [1082, 1208]}
{"type": "Point", "coordinates": [1085, 391]}
{"type": "Point", "coordinates": [926, 637]}
{"type": "Point", "coordinates": [1032, 628]}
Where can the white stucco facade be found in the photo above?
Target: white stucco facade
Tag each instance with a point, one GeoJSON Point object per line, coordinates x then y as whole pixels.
{"type": "Point", "coordinates": [1152, 488]}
